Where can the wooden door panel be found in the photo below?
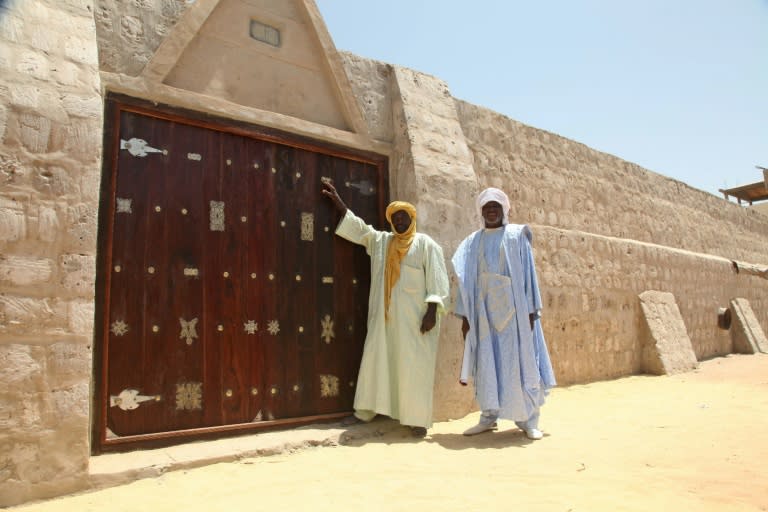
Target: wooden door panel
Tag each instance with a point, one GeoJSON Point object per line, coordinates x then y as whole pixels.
{"type": "Point", "coordinates": [282, 343]}
{"type": "Point", "coordinates": [177, 363]}
{"type": "Point", "coordinates": [260, 290]}
{"type": "Point", "coordinates": [229, 301]}
{"type": "Point", "coordinates": [136, 193]}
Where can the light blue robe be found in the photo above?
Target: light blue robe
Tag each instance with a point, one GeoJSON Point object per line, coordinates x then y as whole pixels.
{"type": "Point", "coordinates": [507, 360]}
{"type": "Point", "coordinates": [397, 371]}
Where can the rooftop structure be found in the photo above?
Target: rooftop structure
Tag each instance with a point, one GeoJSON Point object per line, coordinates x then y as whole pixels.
{"type": "Point", "coordinates": [751, 193]}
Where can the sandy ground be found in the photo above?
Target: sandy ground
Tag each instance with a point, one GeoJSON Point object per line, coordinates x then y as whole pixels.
{"type": "Point", "coordinates": [692, 442]}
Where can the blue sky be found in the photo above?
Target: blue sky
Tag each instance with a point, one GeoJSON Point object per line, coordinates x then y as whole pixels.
{"type": "Point", "coordinates": [679, 87]}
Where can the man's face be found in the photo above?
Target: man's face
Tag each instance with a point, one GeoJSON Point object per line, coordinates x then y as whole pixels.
{"type": "Point", "coordinates": [493, 214]}
{"type": "Point", "coordinates": [401, 221]}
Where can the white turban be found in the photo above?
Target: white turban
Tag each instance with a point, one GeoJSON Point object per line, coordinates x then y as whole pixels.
{"type": "Point", "coordinates": [493, 194]}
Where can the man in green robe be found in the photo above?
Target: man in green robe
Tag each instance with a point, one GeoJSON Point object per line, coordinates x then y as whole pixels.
{"type": "Point", "coordinates": [409, 290]}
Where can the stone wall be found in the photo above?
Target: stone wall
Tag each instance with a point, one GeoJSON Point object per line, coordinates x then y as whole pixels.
{"type": "Point", "coordinates": [590, 286]}
{"type": "Point", "coordinates": [50, 156]}
{"type": "Point", "coordinates": [558, 182]}
{"type": "Point", "coordinates": [129, 32]}
{"type": "Point", "coordinates": [605, 230]}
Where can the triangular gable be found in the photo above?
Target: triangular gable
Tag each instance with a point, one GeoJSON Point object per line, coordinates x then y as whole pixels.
{"type": "Point", "coordinates": [271, 55]}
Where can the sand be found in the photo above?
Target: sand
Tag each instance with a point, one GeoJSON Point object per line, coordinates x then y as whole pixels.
{"type": "Point", "coordinates": [691, 442]}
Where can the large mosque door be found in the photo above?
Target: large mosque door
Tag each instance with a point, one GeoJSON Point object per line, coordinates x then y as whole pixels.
{"type": "Point", "coordinates": [225, 302]}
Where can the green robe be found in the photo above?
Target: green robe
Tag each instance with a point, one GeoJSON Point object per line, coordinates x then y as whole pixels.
{"type": "Point", "coordinates": [397, 371]}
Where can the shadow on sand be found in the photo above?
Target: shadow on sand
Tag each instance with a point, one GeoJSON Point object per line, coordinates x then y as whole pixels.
{"type": "Point", "coordinates": [389, 431]}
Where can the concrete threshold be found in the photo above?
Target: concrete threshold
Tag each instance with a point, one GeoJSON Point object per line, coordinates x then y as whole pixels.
{"type": "Point", "coordinates": [113, 469]}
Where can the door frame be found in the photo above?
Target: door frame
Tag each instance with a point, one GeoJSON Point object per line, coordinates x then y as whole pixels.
{"type": "Point", "coordinates": [115, 104]}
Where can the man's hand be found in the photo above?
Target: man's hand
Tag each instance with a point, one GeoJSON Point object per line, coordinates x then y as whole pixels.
{"type": "Point", "coordinates": [464, 328]}
{"type": "Point", "coordinates": [464, 331]}
{"type": "Point", "coordinates": [430, 318]}
{"type": "Point", "coordinates": [330, 191]}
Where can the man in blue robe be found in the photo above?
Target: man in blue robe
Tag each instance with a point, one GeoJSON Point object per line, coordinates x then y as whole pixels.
{"type": "Point", "coordinates": [500, 306]}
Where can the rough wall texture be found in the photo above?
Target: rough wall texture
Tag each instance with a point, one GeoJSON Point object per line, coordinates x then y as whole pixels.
{"type": "Point", "coordinates": [130, 31]}
{"type": "Point", "coordinates": [50, 155]}
{"type": "Point", "coordinates": [761, 208]}
{"type": "Point", "coordinates": [558, 182]}
{"type": "Point", "coordinates": [370, 81]}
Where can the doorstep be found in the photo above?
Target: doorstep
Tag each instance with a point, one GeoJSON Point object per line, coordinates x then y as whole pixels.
{"type": "Point", "coordinates": [112, 469]}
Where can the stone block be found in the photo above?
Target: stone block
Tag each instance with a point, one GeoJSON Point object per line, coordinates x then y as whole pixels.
{"type": "Point", "coordinates": [47, 224]}
{"type": "Point", "coordinates": [80, 138]}
{"type": "Point", "coordinates": [65, 73]}
{"type": "Point", "coordinates": [56, 181]}
{"type": "Point", "coordinates": [13, 221]}
{"type": "Point", "coordinates": [32, 64]}
{"type": "Point", "coordinates": [35, 132]}
{"type": "Point", "coordinates": [28, 367]}
{"type": "Point", "coordinates": [12, 171]}
{"type": "Point", "coordinates": [82, 106]}
{"type": "Point", "coordinates": [42, 38]}
{"type": "Point", "coordinates": [78, 273]}
{"type": "Point", "coordinates": [25, 271]}
{"type": "Point", "coordinates": [82, 228]}
{"type": "Point", "coordinates": [82, 213]}
{"type": "Point", "coordinates": [747, 335]}
{"type": "Point", "coordinates": [81, 318]}
{"type": "Point", "coordinates": [20, 410]}
{"type": "Point", "coordinates": [667, 349]}
{"type": "Point", "coordinates": [131, 31]}
{"type": "Point", "coordinates": [24, 96]}
{"type": "Point", "coordinates": [70, 405]}
{"type": "Point", "coordinates": [31, 315]}
{"type": "Point", "coordinates": [69, 364]}
{"type": "Point", "coordinates": [80, 238]}
{"type": "Point", "coordinates": [50, 105]}
{"type": "Point", "coordinates": [80, 50]}
{"type": "Point", "coordinates": [90, 186]}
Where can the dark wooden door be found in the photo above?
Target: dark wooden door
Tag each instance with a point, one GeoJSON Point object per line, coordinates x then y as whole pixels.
{"type": "Point", "coordinates": [226, 302]}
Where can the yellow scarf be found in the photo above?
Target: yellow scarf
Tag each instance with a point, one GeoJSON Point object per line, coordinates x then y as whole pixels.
{"type": "Point", "coordinates": [398, 248]}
